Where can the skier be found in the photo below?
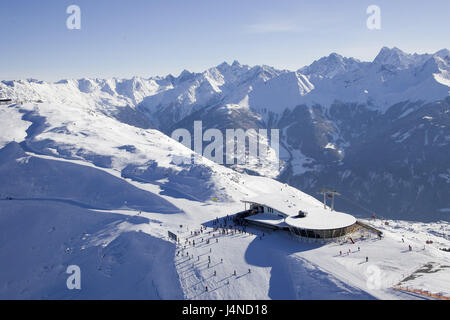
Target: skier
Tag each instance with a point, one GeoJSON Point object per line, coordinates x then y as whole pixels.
{"type": "Point", "coordinates": [367, 259]}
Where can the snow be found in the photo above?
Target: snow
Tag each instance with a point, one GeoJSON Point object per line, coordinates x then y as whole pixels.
{"type": "Point", "coordinates": [80, 187]}
{"type": "Point", "coordinates": [445, 80]}
{"type": "Point", "coordinates": [11, 126]}
{"type": "Point", "coordinates": [300, 163]}
{"type": "Point", "coordinates": [321, 219]}
{"type": "Point", "coordinates": [90, 92]}
{"type": "Point", "coordinates": [225, 84]}
{"type": "Point", "coordinates": [308, 270]}
{"type": "Point", "coordinates": [400, 137]}
{"type": "Point", "coordinates": [160, 102]}
{"type": "Point", "coordinates": [116, 248]}
{"type": "Point", "coordinates": [31, 177]}
{"type": "Point", "coordinates": [45, 237]}
{"type": "Point", "coordinates": [330, 146]}
{"type": "Point", "coordinates": [268, 219]}
{"type": "Point", "coordinates": [393, 76]}
{"type": "Point", "coordinates": [406, 112]}
{"type": "Point", "coordinates": [281, 92]}
{"type": "Point", "coordinates": [289, 203]}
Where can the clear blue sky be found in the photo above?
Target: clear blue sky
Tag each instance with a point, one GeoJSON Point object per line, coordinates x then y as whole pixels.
{"type": "Point", "coordinates": [157, 37]}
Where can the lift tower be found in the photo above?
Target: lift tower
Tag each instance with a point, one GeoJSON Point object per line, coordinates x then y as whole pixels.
{"type": "Point", "coordinates": [330, 194]}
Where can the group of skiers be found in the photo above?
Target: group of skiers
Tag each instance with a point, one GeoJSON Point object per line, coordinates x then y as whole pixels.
{"type": "Point", "coordinates": [223, 227]}
{"type": "Point", "coordinates": [350, 251]}
{"type": "Point", "coordinates": [367, 258]}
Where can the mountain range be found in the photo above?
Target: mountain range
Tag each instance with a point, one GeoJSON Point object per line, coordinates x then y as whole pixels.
{"type": "Point", "coordinates": [377, 131]}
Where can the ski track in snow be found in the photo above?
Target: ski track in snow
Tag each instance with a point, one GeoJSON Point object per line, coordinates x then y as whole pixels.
{"type": "Point", "coordinates": [123, 249]}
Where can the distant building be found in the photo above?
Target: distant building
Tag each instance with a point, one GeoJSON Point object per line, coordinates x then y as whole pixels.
{"type": "Point", "coordinates": [305, 218]}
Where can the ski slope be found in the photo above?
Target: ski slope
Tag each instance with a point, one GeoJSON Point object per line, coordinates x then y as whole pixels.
{"type": "Point", "coordinates": [80, 187]}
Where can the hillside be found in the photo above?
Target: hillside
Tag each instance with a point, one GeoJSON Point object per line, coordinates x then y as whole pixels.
{"type": "Point", "coordinates": [343, 123]}
{"type": "Point", "coordinates": [81, 187]}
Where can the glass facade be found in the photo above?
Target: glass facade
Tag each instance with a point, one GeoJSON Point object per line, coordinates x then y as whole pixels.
{"type": "Point", "coordinates": [305, 233]}
{"type": "Point", "coordinates": [322, 234]}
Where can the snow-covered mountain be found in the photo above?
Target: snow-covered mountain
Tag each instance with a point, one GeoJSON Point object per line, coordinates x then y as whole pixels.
{"type": "Point", "coordinates": [331, 115]}
{"type": "Point", "coordinates": [80, 187]}
{"type": "Point", "coordinates": [392, 77]}
{"type": "Point", "coordinates": [87, 178]}
{"type": "Point", "coordinates": [224, 85]}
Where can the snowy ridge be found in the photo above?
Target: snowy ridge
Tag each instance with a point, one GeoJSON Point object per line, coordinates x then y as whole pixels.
{"type": "Point", "coordinates": [101, 194]}
{"type": "Point", "coordinates": [84, 91]}
{"type": "Point", "coordinates": [81, 183]}
{"type": "Point", "coordinates": [393, 76]}
{"type": "Point", "coordinates": [221, 85]}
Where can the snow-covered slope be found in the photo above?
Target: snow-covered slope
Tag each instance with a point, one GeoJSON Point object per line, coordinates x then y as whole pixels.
{"type": "Point", "coordinates": [41, 238]}
{"type": "Point", "coordinates": [82, 188]}
{"type": "Point", "coordinates": [114, 97]}
{"type": "Point", "coordinates": [240, 96]}
{"type": "Point", "coordinates": [88, 92]}
{"type": "Point", "coordinates": [85, 181]}
{"type": "Point", "coordinates": [326, 112]}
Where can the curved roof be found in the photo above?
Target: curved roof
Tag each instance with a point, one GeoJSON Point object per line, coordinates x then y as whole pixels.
{"type": "Point", "coordinates": [318, 217]}
{"type": "Point", "coordinates": [321, 219]}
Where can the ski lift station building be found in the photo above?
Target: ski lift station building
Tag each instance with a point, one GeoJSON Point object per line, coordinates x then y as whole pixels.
{"type": "Point", "coordinates": [304, 218]}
